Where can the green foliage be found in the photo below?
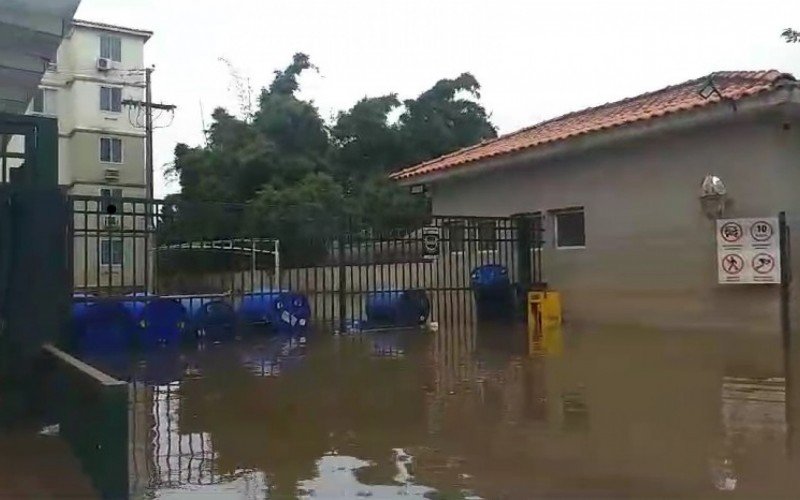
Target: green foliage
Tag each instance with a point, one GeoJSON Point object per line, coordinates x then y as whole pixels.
{"type": "Point", "coordinates": [791, 36]}
{"type": "Point", "coordinates": [297, 179]}
{"type": "Point", "coordinates": [444, 119]}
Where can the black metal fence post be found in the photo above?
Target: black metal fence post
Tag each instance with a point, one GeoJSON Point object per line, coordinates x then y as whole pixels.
{"type": "Point", "coordinates": [342, 281]}
{"type": "Point", "coordinates": [786, 277]}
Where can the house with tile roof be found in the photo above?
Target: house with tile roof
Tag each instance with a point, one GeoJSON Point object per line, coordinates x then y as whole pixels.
{"type": "Point", "coordinates": [616, 191]}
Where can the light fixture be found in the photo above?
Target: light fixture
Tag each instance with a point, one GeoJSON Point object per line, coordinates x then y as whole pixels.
{"type": "Point", "coordinates": [419, 189]}
{"type": "Point", "coordinates": [713, 196]}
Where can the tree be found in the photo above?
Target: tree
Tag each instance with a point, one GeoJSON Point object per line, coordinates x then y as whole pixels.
{"type": "Point", "coordinates": [791, 36]}
{"type": "Point", "coordinates": [444, 119]}
{"type": "Point", "coordinates": [297, 179]}
{"type": "Point", "coordinates": [367, 144]}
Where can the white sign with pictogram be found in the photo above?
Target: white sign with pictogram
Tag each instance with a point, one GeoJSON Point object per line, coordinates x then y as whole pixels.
{"type": "Point", "coordinates": [748, 251]}
{"type": "Point", "coordinates": [431, 242]}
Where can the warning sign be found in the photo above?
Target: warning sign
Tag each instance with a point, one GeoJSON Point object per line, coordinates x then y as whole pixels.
{"type": "Point", "coordinates": [732, 264]}
{"type": "Point", "coordinates": [431, 242]}
{"type": "Point", "coordinates": [748, 251]}
{"type": "Point", "coordinates": [763, 263]}
{"type": "Point", "coordinates": [731, 232]}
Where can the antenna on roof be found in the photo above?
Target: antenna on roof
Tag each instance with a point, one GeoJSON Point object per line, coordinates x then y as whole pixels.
{"type": "Point", "coordinates": [710, 89]}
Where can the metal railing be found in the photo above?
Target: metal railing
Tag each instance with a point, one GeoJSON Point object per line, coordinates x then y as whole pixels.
{"type": "Point", "coordinates": [124, 246]}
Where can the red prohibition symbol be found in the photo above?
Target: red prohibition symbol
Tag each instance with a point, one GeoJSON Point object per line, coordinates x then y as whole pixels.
{"type": "Point", "coordinates": [763, 263]}
{"type": "Point", "coordinates": [732, 263]}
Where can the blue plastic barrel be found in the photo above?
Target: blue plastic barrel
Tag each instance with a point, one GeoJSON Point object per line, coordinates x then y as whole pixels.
{"type": "Point", "coordinates": [262, 306]}
{"type": "Point", "coordinates": [297, 315]}
{"type": "Point", "coordinates": [81, 307]}
{"type": "Point", "coordinates": [490, 278]}
{"type": "Point", "coordinates": [101, 325]}
{"type": "Point", "coordinates": [206, 313]}
{"type": "Point", "coordinates": [160, 321]}
{"type": "Point", "coordinates": [397, 308]}
{"type": "Point", "coordinates": [494, 295]}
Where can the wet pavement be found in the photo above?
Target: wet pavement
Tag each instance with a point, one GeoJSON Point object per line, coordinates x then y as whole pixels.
{"type": "Point", "coordinates": [463, 413]}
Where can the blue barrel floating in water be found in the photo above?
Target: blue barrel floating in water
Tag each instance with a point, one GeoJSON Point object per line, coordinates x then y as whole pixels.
{"type": "Point", "coordinates": [100, 325]}
{"type": "Point", "coordinates": [283, 310]}
{"type": "Point", "coordinates": [297, 315]}
{"type": "Point", "coordinates": [494, 295]}
{"type": "Point", "coordinates": [210, 317]}
{"type": "Point", "coordinates": [160, 321]}
{"type": "Point", "coordinates": [397, 308]}
{"type": "Point", "coordinates": [262, 306]}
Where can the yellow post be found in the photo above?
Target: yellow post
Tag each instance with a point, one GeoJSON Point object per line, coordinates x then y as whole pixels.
{"type": "Point", "coordinates": [544, 322]}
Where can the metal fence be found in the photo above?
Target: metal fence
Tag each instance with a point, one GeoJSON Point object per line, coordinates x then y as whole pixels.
{"type": "Point", "coordinates": [127, 245]}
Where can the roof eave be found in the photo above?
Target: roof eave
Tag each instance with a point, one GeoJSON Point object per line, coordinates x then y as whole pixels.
{"type": "Point", "coordinates": [602, 138]}
{"type": "Point", "coordinates": [146, 35]}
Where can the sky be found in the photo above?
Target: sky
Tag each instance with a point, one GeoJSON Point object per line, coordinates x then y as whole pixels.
{"type": "Point", "coordinates": [534, 59]}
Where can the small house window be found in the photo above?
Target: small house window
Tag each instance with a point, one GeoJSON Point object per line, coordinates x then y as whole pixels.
{"type": "Point", "coordinates": [111, 252]}
{"type": "Point", "coordinates": [111, 99]}
{"type": "Point", "coordinates": [570, 229]}
{"type": "Point", "coordinates": [455, 236]}
{"type": "Point", "coordinates": [111, 47]}
{"type": "Point", "coordinates": [487, 236]}
{"type": "Point", "coordinates": [44, 102]}
{"type": "Point", "coordinates": [110, 150]}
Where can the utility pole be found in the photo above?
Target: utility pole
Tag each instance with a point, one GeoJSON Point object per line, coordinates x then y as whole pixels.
{"type": "Point", "coordinates": [148, 110]}
{"type": "Point", "coordinates": [150, 212]}
{"type": "Point", "coordinates": [149, 106]}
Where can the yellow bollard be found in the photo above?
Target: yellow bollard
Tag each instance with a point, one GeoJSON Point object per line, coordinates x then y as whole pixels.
{"type": "Point", "coordinates": [544, 323]}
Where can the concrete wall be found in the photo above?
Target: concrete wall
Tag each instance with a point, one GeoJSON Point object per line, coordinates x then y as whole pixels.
{"type": "Point", "coordinates": [650, 255]}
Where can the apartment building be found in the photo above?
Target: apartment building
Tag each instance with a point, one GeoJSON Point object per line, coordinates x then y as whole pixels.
{"type": "Point", "coordinates": [101, 146]}
{"type": "Point", "coordinates": [101, 140]}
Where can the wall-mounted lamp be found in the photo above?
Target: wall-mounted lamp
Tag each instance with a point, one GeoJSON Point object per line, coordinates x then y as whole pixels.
{"type": "Point", "coordinates": [418, 189]}
{"type": "Point", "coordinates": [713, 196]}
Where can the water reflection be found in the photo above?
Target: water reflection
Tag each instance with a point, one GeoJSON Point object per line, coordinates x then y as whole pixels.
{"type": "Point", "coordinates": [464, 412]}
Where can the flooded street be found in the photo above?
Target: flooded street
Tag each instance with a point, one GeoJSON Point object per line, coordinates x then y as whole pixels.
{"type": "Point", "coordinates": [464, 414]}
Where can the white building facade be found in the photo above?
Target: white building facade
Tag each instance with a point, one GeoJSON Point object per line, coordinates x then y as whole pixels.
{"type": "Point", "coordinates": [100, 67]}
{"type": "Point", "coordinates": [101, 140]}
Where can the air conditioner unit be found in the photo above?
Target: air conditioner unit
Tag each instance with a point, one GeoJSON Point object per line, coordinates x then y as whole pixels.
{"type": "Point", "coordinates": [112, 175]}
{"type": "Point", "coordinates": [110, 222]}
{"type": "Point", "coordinates": [103, 64]}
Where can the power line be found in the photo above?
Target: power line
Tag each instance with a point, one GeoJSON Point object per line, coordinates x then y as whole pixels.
{"type": "Point", "coordinates": [149, 106]}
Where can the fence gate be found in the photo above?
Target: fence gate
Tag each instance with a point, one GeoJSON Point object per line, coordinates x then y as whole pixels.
{"type": "Point", "coordinates": [126, 245]}
{"type": "Point", "coordinates": [34, 283]}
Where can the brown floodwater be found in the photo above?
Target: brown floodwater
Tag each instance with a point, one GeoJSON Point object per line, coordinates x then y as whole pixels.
{"type": "Point", "coordinates": [468, 412]}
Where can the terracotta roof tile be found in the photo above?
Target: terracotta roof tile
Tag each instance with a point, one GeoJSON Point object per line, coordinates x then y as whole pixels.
{"type": "Point", "coordinates": [732, 85]}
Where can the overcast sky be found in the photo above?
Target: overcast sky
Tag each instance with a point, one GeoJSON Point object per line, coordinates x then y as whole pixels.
{"type": "Point", "coordinates": [534, 59]}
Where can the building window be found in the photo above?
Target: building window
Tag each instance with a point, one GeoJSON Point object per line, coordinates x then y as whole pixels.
{"type": "Point", "coordinates": [487, 236]}
{"type": "Point", "coordinates": [110, 197]}
{"type": "Point", "coordinates": [111, 252]}
{"type": "Point", "coordinates": [44, 102]}
{"type": "Point", "coordinates": [455, 236]}
{"type": "Point", "coordinates": [111, 99]}
{"type": "Point", "coordinates": [110, 150]}
{"type": "Point", "coordinates": [111, 47]}
{"type": "Point", "coordinates": [570, 229]}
